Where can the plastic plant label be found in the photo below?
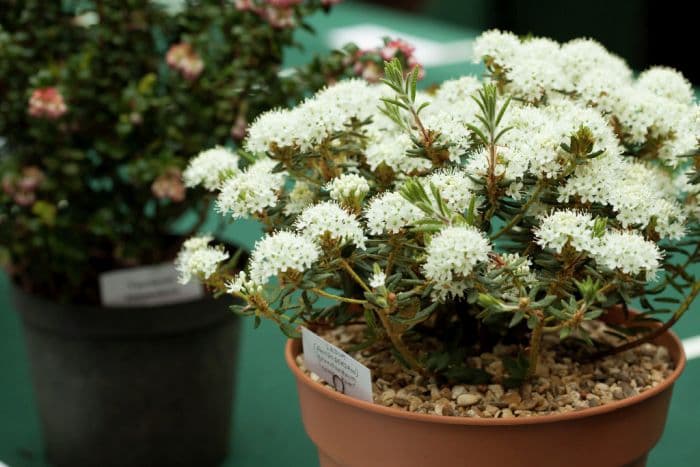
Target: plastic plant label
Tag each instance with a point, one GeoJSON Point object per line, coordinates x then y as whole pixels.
{"type": "Point", "coordinates": [146, 286]}
{"type": "Point", "coordinates": [335, 367]}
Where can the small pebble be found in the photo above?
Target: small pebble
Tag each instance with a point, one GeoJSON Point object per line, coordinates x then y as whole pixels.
{"type": "Point", "coordinates": [465, 400]}
{"type": "Point", "coordinates": [561, 384]}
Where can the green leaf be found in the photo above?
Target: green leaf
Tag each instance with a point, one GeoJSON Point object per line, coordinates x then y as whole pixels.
{"type": "Point", "coordinates": [45, 211]}
{"type": "Point", "coordinates": [517, 318]}
{"type": "Point", "coordinates": [422, 315]}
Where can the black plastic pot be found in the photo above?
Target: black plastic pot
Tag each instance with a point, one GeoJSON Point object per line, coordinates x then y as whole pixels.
{"type": "Point", "coordinates": [132, 386]}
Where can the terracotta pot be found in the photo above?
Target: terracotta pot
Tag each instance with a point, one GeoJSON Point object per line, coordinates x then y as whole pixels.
{"type": "Point", "coordinates": [353, 433]}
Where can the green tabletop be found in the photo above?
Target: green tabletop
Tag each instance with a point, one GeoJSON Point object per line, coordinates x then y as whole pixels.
{"type": "Point", "coordinates": [267, 427]}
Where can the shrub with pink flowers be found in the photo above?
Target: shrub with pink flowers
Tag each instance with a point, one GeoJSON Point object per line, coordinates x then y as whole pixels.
{"type": "Point", "coordinates": [101, 105]}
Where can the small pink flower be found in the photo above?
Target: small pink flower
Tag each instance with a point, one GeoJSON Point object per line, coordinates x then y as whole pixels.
{"type": "Point", "coordinates": [47, 103]}
{"type": "Point", "coordinates": [183, 58]}
{"type": "Point", "coordinates": [169, 186]}
{"type": "Point", "coordinates": [284, 3]}
{"type": "Point", "coordinates": [413, 63]}
{"type": "Point", "coordinates": [23, 188]}
{"type": "Point", "coordinates": [244, 5]}
{"type": "Point", "coordinates": [392, 47]}
{"type": "Point", "coordinates": [279, 18]}
{"type": "Point", "coordinates": [239, 128]}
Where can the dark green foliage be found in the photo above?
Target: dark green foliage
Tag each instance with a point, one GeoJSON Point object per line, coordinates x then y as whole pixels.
{"type": "Point", "coordinates": [105, 175]}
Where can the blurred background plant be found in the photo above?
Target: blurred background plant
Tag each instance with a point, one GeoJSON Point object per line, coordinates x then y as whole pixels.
{"type": "Point", "coordinates": [102, 103]}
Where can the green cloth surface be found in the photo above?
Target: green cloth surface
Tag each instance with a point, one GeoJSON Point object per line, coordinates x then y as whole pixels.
{"type": "Point", "coordinates": [267, 428]}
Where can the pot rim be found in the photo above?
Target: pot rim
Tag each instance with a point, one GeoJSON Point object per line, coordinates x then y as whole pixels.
{"type": "Point", "coordinates": [293, 348]}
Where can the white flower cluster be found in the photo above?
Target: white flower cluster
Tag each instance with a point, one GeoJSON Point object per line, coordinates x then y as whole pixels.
{"type": "Point", "coordinates": [452, 255]}
{"type": "Point", "coordinates": [348, 186]}
{"type": "Point", "coordinates": [251, 191]}
{"type": "Point", "coordinates": [454, 186]}
{"type": "Point", "coordinates": [211, 167]}
{"type": "Point", "coordinates": [377, 280]}
{"type": "Point", "coordinates": [630, 253]}
{"type": "Point", "coordinates": [300, 197]}
{"type": "Point", "coordinates": [329, 219]}
{"type": "Point", "coordinates": [637, 193]}
{"type": "Point", "coordinates": [657, 109]}
{"type": "Point", "coordinates": [280, 252]}
{"type": "Point", "coordinates": [197, 259]}
{"type": "Point", "coordinates": [317, 118]}
{"type": "Point", "coordinates": [390, 150]}
{"type": "Point", "coordinates": [389, 213]}
{"type": "Point", "coordinates": [561, 228]}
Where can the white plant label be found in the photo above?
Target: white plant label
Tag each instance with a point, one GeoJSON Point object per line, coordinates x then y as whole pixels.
{"type": "Point", "coordinates": [335, 367]}
{"type": "Point", "coordinates": [146, 286]}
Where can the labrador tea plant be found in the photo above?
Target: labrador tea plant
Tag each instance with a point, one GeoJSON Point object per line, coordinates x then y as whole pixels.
{"type": "Point", "coordinates": [503, 211]}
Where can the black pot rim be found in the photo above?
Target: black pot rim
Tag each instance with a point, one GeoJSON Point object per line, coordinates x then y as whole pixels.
{"type": "Point", "coordinates": [93, 321]}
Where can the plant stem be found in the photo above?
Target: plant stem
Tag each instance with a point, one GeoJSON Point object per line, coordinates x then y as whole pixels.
{"type": "Point", "coordinates": [398, 343]}
{"type": "Point", "coordinates": [650, 336]}
{"type": "Point", "coordinates": [323, 293]}
{"type": "Point", "coordinates": [518, 217]}
{"type": "Point", "coordinates": [354, 275]}
{"type": "Point", "coordinates": [535, 342]}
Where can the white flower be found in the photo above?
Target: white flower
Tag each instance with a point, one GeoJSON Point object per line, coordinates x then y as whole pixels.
{"type": "Point", "coordinates": [667, 82]}
{"type": "Point", "coordinates": [349, 186]}
{"type": "Point", "coordinates": [454, 187]}
{"type": "Point", "coordinates": [637, 193]}
{"type": "Point", "coordinates": [389, 213]}
{"type": "Point", "coordinates": [300, 197]}
{"type": "Point", "coordinates": [329, 219]}
{"type": "Point", "coordinates": [315, 119]}
{"type": "Point", "coordinates": [209, 168]}
{"type": "Point", "coordinates": [252, 191]}
{"type": "Point", "coordinates": [498, 45]}
{"type": "Point", "coordinates": [452, 255]}
{"type": "Point", "coordinates": [452, 126]}
{"type": "Point", "coordinates": [241, 284]}
{"type": "Point", "coordinates": [630, 253]}
{"type": "Point", "coordinates": [579, 57]}
{"type": "Point", "coordinates": [377, 280]}
{"type": "Point", "coordinates": [278, 127]}
{"type": "Point", "coordinates": [567, 227]}
{"type": "Point", "coordinates": [456, 92]}
{"type": "Point", "coordinates": [196, 258]}
{"type": "Point", "coordinates": [281, 252]}
{"type": "Point", "coordinates": [390, 149]}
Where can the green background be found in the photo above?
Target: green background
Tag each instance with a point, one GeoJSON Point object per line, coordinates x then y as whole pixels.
{"type": "Point", "coordinates": [267, 428]}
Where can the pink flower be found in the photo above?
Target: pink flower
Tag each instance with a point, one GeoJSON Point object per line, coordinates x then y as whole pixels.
{"type": "Point", "coordinates": [23, 188]}
{"type": "Point", "coordinates": [279, 17]}
{"type": "Point", "coordinates": [413, 63]}
{"type": "Point", "coordinates": [239, 128]}
{"type": "Point", "coordinates": [47, 103]}
{"type": "Point", "coordinates": [169, 186]}
{"type": "Point", "coordinates": [245, 5]}
{"type": "Point", "coordinates": [183, 58]}
{"type": "Point", "coordinates": [328, 3]}
{"type": "Point", "coordinates": [284, 3]}
{"type": "Point", "coordinates": [397, 45]}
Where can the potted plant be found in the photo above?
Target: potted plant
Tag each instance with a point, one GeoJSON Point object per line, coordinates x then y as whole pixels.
{"type": "Point", "coordinates": [101, 105]}
{"type": "Point", "coordinates": [478, 248]}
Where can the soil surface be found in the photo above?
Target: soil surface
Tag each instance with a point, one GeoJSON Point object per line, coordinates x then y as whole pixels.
{"type": "Point", "coordinates": [560, 385]}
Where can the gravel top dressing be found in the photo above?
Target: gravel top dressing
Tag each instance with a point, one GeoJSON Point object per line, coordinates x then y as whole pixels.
{"type": "Point", "coordinates": [561, 384]}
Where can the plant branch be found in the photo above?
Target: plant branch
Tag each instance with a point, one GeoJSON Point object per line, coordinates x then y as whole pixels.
{"type": "Point", "coordinates": [323, 293]}
{"type": "Point", "coordinates": [650, 336]}
{"type": "Point", "coordinates": [518, 217]}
